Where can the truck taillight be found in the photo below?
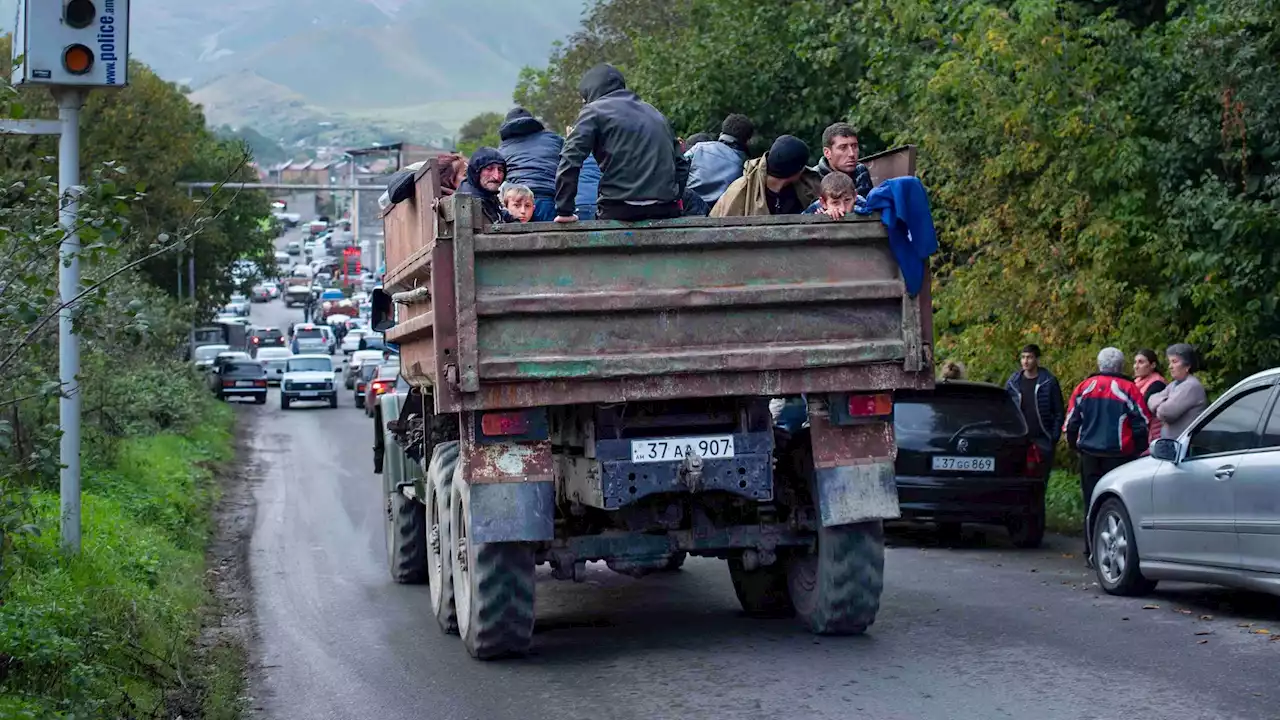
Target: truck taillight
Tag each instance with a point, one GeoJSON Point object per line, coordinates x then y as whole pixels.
{"type": "Point", "coordinates": [508, 423]}
{"type": "Point", "coordinates": [870, 405]}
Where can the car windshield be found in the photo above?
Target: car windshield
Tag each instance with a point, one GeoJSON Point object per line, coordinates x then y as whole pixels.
{"type": "Point", "coordinates": [310, 365]}
{"type": "Point", "coordinates": [387, 372]}
{"type": "Point", "coordinates": [945, 413]}
{"type": "Point", "coordinates": [274, 354]}
{"type": "Point", "coordinates": [243, 369]}
{"type": "Point", "coordinates": [209, 352]}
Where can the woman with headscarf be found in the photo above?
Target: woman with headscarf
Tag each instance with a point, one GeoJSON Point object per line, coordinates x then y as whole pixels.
{"type": "Point", "coordinates": [1182, 401]}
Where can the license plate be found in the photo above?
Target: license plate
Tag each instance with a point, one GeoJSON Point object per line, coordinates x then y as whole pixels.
{"type": "Point", "coordinates": [244, 383]}
{"type": "Point", "coordinates": [308, 394]}
{"type": "Point", "coordinates": [964, 464]}
{"type": "Point", "coordinates": [711, 447]}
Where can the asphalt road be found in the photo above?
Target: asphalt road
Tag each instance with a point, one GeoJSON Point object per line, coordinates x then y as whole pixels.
{"type": "Point", "coordinates": [981, 632]}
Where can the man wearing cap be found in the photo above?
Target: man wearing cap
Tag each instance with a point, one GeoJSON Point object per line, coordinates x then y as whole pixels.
{"type": "Point", "coordinates": [777, 184]}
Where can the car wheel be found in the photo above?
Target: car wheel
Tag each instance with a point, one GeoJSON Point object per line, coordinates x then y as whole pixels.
{"type": "Point", "coordinates": [1027, 531]}
{"type": "Point", "coordinates": [284, 403]}
{"type": "Point", "coordinates": [1115, 552]}
{"type": "Point", "coordinates": [333, 400]}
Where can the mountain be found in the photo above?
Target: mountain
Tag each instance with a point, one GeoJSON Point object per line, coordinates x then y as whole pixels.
{"type": "Point", "coordinates": [250, 61]}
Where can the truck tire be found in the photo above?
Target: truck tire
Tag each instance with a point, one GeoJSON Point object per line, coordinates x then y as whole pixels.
{"type": "Point", "coordinates": [763, 592]}
{"type": "Point", "coordinates": [405, 530]}
{"type": "Point", "coordinates": [444, 463]}
{"type": "Point", "coordinates": [836, 589]}
{"type": "Point", "coordinates": [493, 586]}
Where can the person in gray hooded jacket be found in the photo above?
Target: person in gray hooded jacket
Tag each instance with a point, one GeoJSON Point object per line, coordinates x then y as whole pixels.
{"type": "Point", "coordinates": [713, 166]}
{"type": "Point", "coordinates": [532, 153]}
{"type": "Point", "coordinates": [642, 169]}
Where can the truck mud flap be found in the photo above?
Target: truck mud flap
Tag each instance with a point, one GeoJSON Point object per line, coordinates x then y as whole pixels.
{"type": "Point", "coordinates": [512, 512]}
{"type": "Point", "coordinates": [510, 481]}
{"type": "Point", "coordinates": [854, 477]}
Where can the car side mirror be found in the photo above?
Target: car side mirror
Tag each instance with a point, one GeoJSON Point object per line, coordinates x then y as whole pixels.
{"type": "Point", "coordinates": [384, 311]}
{"type": "Point", "coordinates": [1166, 449]}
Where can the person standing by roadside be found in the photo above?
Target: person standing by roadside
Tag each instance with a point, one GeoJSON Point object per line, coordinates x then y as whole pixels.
{"type": "Point", "coordinates": [1182, 401]}
{"type": "Point", "coordinates": [1146, 375]}
{"type": "Point", "coordinates": [1106, 424]}
{"type": "Point", "coordinates": [1038, 394]}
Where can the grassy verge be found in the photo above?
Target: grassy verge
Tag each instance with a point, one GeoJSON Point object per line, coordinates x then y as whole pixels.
{"type": "Point", "coordinates": [1064, 511]}
{"type": "Point", "coordinates": [112, 632]}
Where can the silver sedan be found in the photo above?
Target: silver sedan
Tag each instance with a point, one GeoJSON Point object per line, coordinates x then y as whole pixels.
{"type": "Point", "coordinates": [1204, 507]}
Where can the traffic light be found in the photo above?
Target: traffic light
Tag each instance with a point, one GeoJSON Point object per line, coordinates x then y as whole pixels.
{"type": "Point", "coordinates": [80, 43]}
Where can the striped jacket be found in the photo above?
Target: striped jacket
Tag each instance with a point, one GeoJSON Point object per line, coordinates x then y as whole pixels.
{"type": "Point", "coordinates": [1107, 416]}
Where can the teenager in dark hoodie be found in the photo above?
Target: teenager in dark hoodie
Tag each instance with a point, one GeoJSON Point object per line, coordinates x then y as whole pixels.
{"type": "Point", "coordinates": [532, 153]}
{"type": "Point", "coordinates": [642, 168]}
{"type": "Point", "coordinates": [485, 174]}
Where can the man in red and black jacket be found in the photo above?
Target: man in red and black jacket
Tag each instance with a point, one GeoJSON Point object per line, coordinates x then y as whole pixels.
{"type": "Point", "coordinates": [1106, 423]}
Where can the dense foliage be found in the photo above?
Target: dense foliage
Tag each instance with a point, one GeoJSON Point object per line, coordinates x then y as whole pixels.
{"type": "Point", "coordinates": [1103, 173]}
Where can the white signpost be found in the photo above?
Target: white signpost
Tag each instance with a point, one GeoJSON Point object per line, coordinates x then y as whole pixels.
{"type": "Point", "coordinates": [70, 46]}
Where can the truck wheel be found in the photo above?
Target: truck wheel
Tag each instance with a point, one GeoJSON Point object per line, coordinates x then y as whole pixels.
{"type": "Point", "coordinates": [492, 586]}
{"type": "Point", "coordinates": [762, 592]}
{"type": "Point", "coordinates": [406, 539]}
{"type": "Point", "coordinates": [444, 462]}
{"type": "Point", "coordinates": [836, 589]}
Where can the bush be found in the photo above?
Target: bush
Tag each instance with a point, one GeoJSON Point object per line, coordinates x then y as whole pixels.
{"type": "Point", "coordinates": [108, 632]}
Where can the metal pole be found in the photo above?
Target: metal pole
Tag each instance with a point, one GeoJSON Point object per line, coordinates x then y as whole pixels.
{"type": "Point", "coordinates": [69, 103]}
{"type": "Point", "coordinates": [191, 284]}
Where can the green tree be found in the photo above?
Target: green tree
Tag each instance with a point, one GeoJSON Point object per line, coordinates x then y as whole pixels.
{"type": "Point", "coordinates": [480, 131]}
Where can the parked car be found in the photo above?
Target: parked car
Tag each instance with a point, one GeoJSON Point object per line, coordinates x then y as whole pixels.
{"type": "Point", "coordinates": [204, 355]}
{"type": "Point", "coordinates": [265, 337]}
{"type": "Point", "coordinates": [963, 456]}
{"type": "Point", "coordinates": [384, 380]}
{"type": "Point", "coordinates": [242, 378]}
{"type": "Point", "coordinates": [359, 358]}
{"type": "Point", "coordinates": [308, 378]}
{"type": "Point", "coordinates": [274, 360]}
{"type": "Point", "coordinates": [1204, 507]}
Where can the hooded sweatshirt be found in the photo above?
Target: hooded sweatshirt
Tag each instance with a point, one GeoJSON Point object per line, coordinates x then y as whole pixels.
{"type": "Point", "coordinates": [640, 160]}
{"type": "Point", "coordinates": [531, 151]}
{"type": "Point", "coordinates": [746, 195]}
{"type": "Point", "coordinates": [481, 159]}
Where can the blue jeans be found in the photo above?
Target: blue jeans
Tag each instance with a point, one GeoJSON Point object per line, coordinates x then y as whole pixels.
{"type": "Point", "coordinates": [544, 209]}
{"type": "Point", "coordinates": [586, 212]}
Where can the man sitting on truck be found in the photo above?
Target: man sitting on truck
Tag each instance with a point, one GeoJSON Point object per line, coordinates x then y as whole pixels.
{"type": "Point", "coordinates": [643, 170]}
{"type": "Point", "coordinates": [840, 152]}
{"type": "Point", "coordinates": [485, 174]}
{"type": "Point", "coordinates": [776, 184]}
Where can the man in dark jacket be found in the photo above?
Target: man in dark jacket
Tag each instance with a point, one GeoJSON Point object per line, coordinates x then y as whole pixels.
{"type": "Point", "coordinates": [1106, 423]}
{"type": "Point", "coordinates": [642, 169]}
{"type": "Point", "coordinates": [532, 153]}
{"type": "Point", "coordinates": [840, 152]}
{"type": "Point", "coordinates": [1037, 393]}
{"type": "Point", "coordinates": [485, 174]}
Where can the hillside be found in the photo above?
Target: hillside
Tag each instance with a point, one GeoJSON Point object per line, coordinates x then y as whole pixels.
{"type": "Point", "coordinates": [292, 63]}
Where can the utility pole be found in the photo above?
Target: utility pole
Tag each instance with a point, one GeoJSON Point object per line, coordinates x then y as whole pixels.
{"type": "Point", "coordinates": [70, 100]}
{"type": "Point", "coordinates": [70, 47]}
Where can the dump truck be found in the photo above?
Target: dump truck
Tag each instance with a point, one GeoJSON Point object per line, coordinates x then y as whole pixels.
{"type": "Point", "coordinates": [600, 391]}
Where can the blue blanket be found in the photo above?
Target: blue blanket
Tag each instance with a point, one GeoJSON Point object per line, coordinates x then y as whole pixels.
{"type": "Point", "coordinates": [903, 205]}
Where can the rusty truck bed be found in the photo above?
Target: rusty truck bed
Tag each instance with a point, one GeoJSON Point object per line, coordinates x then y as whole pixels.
{"type": "Point", "coordinates": [526, 315]}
